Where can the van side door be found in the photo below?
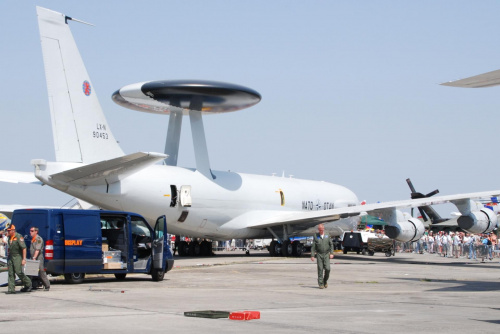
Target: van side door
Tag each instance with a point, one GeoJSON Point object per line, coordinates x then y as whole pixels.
{"type": "Point", "coordinates": [159, 246]}
{"type": "Point", "coordinates": [82, 242]}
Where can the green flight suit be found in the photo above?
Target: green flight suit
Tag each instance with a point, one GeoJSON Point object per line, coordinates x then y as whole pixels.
{"type": "Point", "coordinates": [15, 259]}
{"type": "Point", "coordinates": [321, 250]}
{"type": "Point", "coordinates": [38, 245]}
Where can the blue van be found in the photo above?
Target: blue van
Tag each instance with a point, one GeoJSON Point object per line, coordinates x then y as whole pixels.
{"type": "Point", "coordinates": [79, 242]}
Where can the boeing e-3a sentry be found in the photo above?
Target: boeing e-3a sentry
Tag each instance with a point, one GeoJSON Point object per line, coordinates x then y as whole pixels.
{"type": "Point", "coordinates": [198, 202]}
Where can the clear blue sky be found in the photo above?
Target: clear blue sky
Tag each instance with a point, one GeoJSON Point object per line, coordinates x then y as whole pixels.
{"type": "Point", "coordinates": [349, 89]}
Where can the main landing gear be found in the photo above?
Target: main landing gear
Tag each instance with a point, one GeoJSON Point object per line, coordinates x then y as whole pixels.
{"type": "Point", "coordinates": [287, 248]}
{"type": "Point", "coordinates": [195, 248]}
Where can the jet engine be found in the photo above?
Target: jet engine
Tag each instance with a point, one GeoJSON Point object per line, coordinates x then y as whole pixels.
{"type": "Point", "coordinates": [410, 230]}
{"type": "Point", "coordinates": [482, 221]}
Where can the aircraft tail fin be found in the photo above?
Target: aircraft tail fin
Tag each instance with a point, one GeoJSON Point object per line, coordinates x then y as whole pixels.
{"type": "Point", "coordinates": [81, 132]}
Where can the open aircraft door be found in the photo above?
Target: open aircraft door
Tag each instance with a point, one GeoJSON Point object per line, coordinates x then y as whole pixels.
{"type": "Point", "coordinates": [186, 196]}
{"type": "Point", "coordinates": [159, 249]}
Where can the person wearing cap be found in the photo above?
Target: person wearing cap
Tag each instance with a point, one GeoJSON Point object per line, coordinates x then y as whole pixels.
{"type": "Point", "coordinates": [16, 260]}
{"type": "Point", "coordinates": [36, 252]}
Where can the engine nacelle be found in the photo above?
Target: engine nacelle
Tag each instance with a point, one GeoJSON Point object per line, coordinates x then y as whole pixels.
{"type": "Point", "coordinates": [482, 221]}
{"type": "Point", "coordinates": [410, 230]}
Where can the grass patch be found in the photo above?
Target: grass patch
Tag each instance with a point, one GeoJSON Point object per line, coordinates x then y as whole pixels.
{"type": "Point", "coordinates": [369, 282]}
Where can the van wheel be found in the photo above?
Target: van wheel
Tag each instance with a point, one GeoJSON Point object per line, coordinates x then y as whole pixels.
{"type": "Point", "coordinates": [157, 275]}
{"type": "Point", "coordinates": [120, 277]}
{"type": "Point", "coordinates": [74, 278]}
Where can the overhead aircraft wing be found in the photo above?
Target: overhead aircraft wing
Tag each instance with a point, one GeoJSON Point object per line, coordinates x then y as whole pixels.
{"type": "Point", "coordinates": [263, 219]}
{"type": "Point", "coordinates": [478, 81]}
{"type": "Point", "coordinates": [18, 177]}
{"type": "Point", "coordinates": [108, 171]}
{"type": "Point", "coordinates": [8, 209]}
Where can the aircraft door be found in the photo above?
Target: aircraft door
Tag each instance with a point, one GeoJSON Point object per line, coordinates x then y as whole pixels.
{"type": "Point", "coordinates": [186, 196]}
{"type": "Point", "coordinates": [160, 247]}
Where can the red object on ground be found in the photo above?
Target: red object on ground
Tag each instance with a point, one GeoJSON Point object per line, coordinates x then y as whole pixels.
{"type": "Point", "coordinates": [245, 315]}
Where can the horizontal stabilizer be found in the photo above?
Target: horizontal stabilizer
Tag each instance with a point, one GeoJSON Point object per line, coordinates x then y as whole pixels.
{"type": "Point", "coordinates": [18, 177]}
{"type": "Point", "coordinates": [108, 171]}
{"type": "Point", "coordinates": [478, 81]}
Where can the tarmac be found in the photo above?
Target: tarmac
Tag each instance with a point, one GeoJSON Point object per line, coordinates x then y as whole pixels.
{"type": "Point", "coordinates": [408, 293]}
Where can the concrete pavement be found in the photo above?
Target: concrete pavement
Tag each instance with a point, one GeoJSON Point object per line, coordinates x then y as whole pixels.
{"type": "Point", "coordinates": [408, 293]}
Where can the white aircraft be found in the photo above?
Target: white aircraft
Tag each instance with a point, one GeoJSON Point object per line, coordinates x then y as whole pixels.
{"type": "Point", "coordinates": [199, 203]}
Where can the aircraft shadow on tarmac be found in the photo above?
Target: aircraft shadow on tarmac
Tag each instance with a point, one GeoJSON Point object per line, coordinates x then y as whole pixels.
{"type": "Point", "coordinates": [459, 285]}
{"type": "Point", "coordinates": [104, 280]}
{"type": "Point", "coordinates": [491, 321]}
{"type": "Point", "coordinates": [497, 322]}
{"type": "Point", "coordinates": [429, 261]}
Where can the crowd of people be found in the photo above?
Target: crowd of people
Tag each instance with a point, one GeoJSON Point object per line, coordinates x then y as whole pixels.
{"type": "Point", "coordinates": [454, 245]}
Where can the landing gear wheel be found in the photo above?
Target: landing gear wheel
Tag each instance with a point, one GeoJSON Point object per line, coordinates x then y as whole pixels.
{"type": "Point", "coordinates": [286, 248]}
{"type": "Point", "coordinates": [120, 277]}
{"type": "Point", "coordinates": [298, 248]}
{"type": "Point", "coordinates": [272, 248]}
{"type": "Point", "coordinates": [275, 248]}
{"type": "Point", "coordinates": [194, 248]}
{"type": "Point", "coordinates": [74, 278]}
{"type": "Point", "coordinates": [183, 248]}
{"type": "Point", "coordinates": [157, 275]}
{"type": "Point", "coordinates": [197, 248]}
{"type": "Point", "coordinates": [206, 248]}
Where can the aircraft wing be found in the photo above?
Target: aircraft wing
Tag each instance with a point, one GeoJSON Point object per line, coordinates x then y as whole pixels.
{"type": "Point", "coordinates": [108, 171]}
{"type": "Point", "coordinates": [263, 219]}
{"type": "Point", "coordinates": [478, 81]}
{"type": "Point", "coordinates": [8, 209]}
{"type": "Point", "coordinates": [18, 177]}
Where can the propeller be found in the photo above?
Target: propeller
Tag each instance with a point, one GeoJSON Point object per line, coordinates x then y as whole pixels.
{"type": "Point", "coordinates": [415, 195]}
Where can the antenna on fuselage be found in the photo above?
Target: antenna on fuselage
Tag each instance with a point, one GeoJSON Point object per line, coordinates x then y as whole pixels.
{"type": "Point", "coordinates": [186, 97]}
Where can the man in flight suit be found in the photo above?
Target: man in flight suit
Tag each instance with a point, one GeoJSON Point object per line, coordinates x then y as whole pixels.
{"type": "Point", "coordinates": [322, 249]}
{"type": "Point", "coordinates": [36, 252]}
{"type": "Point", "coordinates": [16, 261]}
